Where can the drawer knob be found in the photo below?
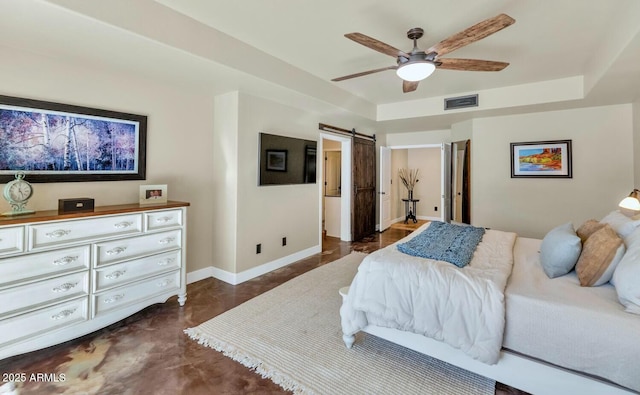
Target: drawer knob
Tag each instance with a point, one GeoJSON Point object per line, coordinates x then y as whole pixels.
{"type": "Point", "coordinates": [65, 287]}
{"type": "Point", "coordinates": [114, 298]}
{"type": "Point", "coordinates": [164, 219]}
{"type": "Point", "coordinates": [116, 251]}
{"type": "Point", "coordinates": [123, 225]}
{"type": "Point", "coordinates": [166, 261]}
{"type": "Point", "coordinates": [114, 275]}
{"type": "Point", "coordinates": [63, 314]}
{"type": "Point", "coordinates": [65, 261]}
{"type": "Point", "coordinates": [166, 240]}
{"type": "Point", "coordinates": [56, 234]}
{"type": "Point", "coordinates": [164, 283]}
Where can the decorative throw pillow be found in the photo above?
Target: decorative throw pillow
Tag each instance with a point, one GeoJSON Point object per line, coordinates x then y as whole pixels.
{"type": "Point", "coordinates": [600, 255]}
{"type": "Point", "coordinates": [626, 277]}
{"type": "Point", "coordinates": [560, 250]}
{"type": "Point", "coordinates": [622, 224]}
{"type": "Point", "coordinates": [588, 228]}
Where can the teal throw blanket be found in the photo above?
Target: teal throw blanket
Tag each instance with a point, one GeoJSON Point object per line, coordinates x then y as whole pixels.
{"type": "Point", "coordinates": [445, 242]}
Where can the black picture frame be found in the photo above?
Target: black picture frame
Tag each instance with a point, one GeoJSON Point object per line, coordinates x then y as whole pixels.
{"type": "Point", "coordinates": [56, 142]}
{"type": "Point", "coordinates": [276, 160]}
{"type": "Point", "coordinates": [542, 159]}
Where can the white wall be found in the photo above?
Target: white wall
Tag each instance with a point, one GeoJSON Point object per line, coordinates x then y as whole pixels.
{"type": "Point", "coordinates": [179, 135]}
{"type": "Point", "coordinates": [427, 190]}
{"type": "Point", "coordinates": [602, 169]}
{"type": "Point", "coordinates": [204, 147]}
{"type": "Point", "coordinates": [399, 159]}
{"type": "Point", "coordinates": [224, 173]}
{"type": "Point", "coordinates": [418, 138]}
{"type": "Point", "coordinates": [266, 214]}
{"type": "Point", "coordinates": [636, 143]}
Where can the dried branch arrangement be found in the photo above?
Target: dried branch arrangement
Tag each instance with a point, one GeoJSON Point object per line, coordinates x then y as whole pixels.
{"type": "Point", "coordinates": [409, 178]}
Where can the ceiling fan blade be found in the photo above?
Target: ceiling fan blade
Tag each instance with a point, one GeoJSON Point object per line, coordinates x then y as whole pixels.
{"type": "Point", "coordinates": [472, 34]}
{"type": "Point", "coordinates": [376, 45]}
{"type": "Point", "coordinates": [470, 64]}
{"type": "Point", "coordinates": [346, 77]}
{"type": "Point", "coordinates": [409, 86]}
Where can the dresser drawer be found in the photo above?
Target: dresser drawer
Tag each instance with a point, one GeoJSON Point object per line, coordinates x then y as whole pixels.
{"type": "Point", "coordinates": [126, 272]}
{"type": "Point", "coordinates": [13, 300]}
{"type": "Point", "coordinates": [45, 320]}
{"type": "Point", "coordinates": [136, 247]}
{"type": "Point", "coordinates": [163, 219]}
{"type": "Point", "coordinates": [136, 292]}
{"type": "Point", "coordinates": [29, 267]}
{"type": "Point", "coordinates": [11, 240]}
{"type": "Point", "coordinates": [60, 233]}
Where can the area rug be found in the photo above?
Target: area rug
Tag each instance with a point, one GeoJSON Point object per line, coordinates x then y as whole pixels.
{"type": "Point", "coordinates": [292, 336]}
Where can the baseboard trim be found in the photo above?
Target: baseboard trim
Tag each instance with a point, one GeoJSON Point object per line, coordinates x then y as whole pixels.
{"type": "Point", "coordinates": [237, 278]}
{"type": "Point", "coordinates": [421, 217]}
{"type": "Point", "coordinates": [201, 274]}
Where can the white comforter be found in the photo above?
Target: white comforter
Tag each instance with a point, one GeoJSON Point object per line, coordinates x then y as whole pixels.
{"type": "Point", "coordinates": [462, 307]}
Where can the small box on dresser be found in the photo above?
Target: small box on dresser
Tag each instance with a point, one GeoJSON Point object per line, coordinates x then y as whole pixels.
{"type": "Point", "coordinates": [76, 205]}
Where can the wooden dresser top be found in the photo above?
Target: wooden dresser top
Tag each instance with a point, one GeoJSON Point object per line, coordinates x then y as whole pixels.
{"type": "Point", "coordinates": [53, 215]}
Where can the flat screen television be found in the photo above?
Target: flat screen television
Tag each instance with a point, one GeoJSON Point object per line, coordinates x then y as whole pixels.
{"type": "Point", "coordinates": [286, 160]}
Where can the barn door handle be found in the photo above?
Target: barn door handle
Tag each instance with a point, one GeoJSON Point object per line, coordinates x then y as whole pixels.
{"type": "Point", "coordinates": [355, 189]}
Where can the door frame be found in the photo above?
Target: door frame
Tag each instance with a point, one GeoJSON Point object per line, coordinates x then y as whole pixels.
{"type": "Point", "coordinates": [442, 175]}
{"type": "Point", "coordinates": [345, 176]}
{"type": "Point", "coordinates": [383, 192]}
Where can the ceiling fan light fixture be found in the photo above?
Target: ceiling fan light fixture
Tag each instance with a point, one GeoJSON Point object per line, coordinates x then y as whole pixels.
{"type": "Point", "coordinates": [415, 71]}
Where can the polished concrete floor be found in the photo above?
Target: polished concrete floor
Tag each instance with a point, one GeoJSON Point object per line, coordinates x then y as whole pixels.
{"type": "Point", "coordinates": [148, 353]}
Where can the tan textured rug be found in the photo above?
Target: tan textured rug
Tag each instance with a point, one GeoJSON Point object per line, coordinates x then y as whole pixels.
{"type": "Point", "coordinates": [292, 336]}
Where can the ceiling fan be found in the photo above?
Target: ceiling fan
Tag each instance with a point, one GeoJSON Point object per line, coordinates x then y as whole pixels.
{"type": "Point", "coordinates": [417, 65]}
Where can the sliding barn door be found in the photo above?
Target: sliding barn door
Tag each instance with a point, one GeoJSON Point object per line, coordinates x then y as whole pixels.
{"type": "Point", "coordinates": [363, 212]}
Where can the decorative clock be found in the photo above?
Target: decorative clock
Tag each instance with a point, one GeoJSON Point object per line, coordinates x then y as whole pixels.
{"type": "Point", "coordinates": [17, 193]}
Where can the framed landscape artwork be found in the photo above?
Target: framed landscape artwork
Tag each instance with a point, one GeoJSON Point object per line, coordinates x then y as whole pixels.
{"type": "Point", "coordinates": [53, 142]}
{"type": "Point", "coordinates": [541, 159]}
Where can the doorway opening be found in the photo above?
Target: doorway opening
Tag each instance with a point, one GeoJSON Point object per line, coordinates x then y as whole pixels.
{"type": "Point", "coordinates": [334, 207]}
{"type": "Point", "coordinates": [432, 192]}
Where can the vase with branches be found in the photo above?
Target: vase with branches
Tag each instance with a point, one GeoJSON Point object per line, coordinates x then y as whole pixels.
{"type": "Point", "coordinates": [409, 178]}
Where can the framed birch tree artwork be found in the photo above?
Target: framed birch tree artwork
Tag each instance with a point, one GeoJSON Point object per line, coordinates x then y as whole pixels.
{"type": "Point", "coordinates": [54, 142]}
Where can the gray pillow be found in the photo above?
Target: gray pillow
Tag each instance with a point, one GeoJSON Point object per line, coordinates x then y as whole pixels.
{"type": "Point", "coordinates": [560, 250]}
{"type": "Point", "coordinates": [622, 224]}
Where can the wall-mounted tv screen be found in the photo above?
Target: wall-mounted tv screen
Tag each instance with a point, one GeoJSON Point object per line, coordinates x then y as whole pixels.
{"type": "Point", "coordinates": [286, 160]}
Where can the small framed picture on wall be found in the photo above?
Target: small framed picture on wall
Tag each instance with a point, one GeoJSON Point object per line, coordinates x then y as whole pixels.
{"type": "Point", "coordinates": [541, 159]}
{"type": "Point", "coordinates": [153, 194]}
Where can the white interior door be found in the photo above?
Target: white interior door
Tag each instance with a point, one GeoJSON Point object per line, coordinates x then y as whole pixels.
{"type": "Point", "coordinates": [445, 165]}
{"type": "Point", "coordinates": [385, 188]}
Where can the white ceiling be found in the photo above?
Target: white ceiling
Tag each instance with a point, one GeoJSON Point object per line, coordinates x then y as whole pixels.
{"type": "Point", "coordinates": [293, 48]}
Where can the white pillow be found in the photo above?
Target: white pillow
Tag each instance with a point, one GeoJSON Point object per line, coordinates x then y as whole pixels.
{"type": "Point", "coordinates": [626, 277]}
{"type": "Point", "coordinates": [560, 250]}
{"type": "Point", "coordinates": [622, 224]}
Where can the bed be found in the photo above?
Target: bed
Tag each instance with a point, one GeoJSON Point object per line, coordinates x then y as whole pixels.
{"type": "Point", "coordinates": [512, 319]}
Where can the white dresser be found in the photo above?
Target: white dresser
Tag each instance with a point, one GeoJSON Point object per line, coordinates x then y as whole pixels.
{"type": "Point", "coordinates": [63, 276]}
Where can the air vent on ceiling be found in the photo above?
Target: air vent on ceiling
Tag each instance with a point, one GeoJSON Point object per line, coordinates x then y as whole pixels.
{"type": "Point", "coordinates": [461, 102]}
